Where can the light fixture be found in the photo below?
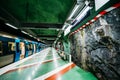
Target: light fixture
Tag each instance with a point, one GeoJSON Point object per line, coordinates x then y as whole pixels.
{"type": "Point", "coordinates": [27, 33]}
{"type": "Point", "coordinates": [63, 27]}
{"type": "Point", "coordinates": [30, 35]}
{"type": "Point", "coordinates": [35, 38]}
{"type": "Point", "coordinates": [38, 39]}
{"type": "Point", "coordinates": [83, 13]}
{"type": "Point", "coordinates": [80, 16]}
{"type": "Point", "coordinates": [57, 29]}
{"type": "Point", "coordinates": [11, 25]}
{"type": "Point", "coordinates": [54, 42]}
{"type": "Point", "coordinates": [24, 32]}
{"type": "Point", "coordinates": [59, 36]}
{"type": "Point", "coordinates": [67, 30]}
{"type": "Point", "coordinates": [67, 27]}
{"type": "Point", "coordinates": [73, 12]}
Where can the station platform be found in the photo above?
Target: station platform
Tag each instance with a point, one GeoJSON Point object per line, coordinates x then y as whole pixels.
{"type": "Point", "coordinates": [45, 65]}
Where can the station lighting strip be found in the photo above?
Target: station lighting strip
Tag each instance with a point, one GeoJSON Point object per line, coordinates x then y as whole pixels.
{"type": "Point", "coordinates": [66, 27]}
{"type": "Point", "coordinates": [28, 34]}
{"type": "Point", "coordinates": [11, 26]}
{"type": "Point", "coordinates": [21, 31]}
{"type": "Point", "coordinates": [17, 28]}
{"type": "Point", "coordinates": [31, 35]}
{"type": "Point", "coordinates": [95, 18]}
{"type": "Point", "coordinates": [78, 18]}
{"type": "Point", "coordinates": [73, 12]}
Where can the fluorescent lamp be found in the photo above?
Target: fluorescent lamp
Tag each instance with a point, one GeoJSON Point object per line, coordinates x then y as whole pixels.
{"type": "Point", "coordinates": [38, 39]}
{"type": "Point", "coordinates": [11, 25]}
{"type": "Point", "coordinates": [75, 22]}
{"type": "Point", "coordinates": [59, 36]}
{"type": "Point", "coordinates": [35, 37]}
{"type": "Point", "coordinates": [24, 32]}
{"type": "Point", "coordinates": [27, 33]}
{"type": "Point", "coordinates": [67, 30]}
{"type": "Point", "coordinates": [83, 13]}
{"type": "Point", "coordinates": [30, 35]}
{"type": "Point", "coordinates": [57, 29]}
{"type": "Point", "coordinates": [65, 26]}
{"type": "Point", "coordinates": [73, 12]}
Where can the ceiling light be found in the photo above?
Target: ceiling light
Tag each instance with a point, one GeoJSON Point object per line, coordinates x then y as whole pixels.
{"type": "Point", "coordinates": [65, 26]}
{"type": "Point", "coordinates": [38, 39]}
{"type": "Point", "coordinates": [57, 29]}
{"type": "Point", "coordinates": [11, 25]}
{"type": "Point", "coordinates": [24, 32]}
{"type": "Point", "coordinates": [35, 37]}
{"type": "Point", "coordinates": [30, 35]}
{"type": "Point", "coordinates": [83, 13]}
{"type": "Point", "coordinates": [73, 12]}
{"type": "Point", "coordinates": [67, 30]}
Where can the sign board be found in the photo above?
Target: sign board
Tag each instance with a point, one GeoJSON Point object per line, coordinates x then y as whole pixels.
{"type": "Point", "coordinates": [100, 3]}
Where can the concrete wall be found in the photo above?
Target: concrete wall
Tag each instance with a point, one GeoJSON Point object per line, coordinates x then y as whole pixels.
{"type": "Point", "coordinates": [97, 47]}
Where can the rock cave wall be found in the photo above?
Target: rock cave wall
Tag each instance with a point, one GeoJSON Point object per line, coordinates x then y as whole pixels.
{"type": "Point", "coordinates": [97, 47]}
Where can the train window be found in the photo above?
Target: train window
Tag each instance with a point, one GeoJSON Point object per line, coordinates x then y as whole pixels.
{"type": "Point", "coordinates": [27, 47]}
{"type": "Point", "coordinates": [30, 46]}
{"type": "Point", "coordinates": [0, 47]}
{"type": "Point", "coordinates": [11, 46]}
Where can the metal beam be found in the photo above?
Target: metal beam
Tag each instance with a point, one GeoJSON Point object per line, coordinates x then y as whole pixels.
{"type": "Point", "coordinates": [8, 18]}
{"type": "Point", "coordinates": [40, 25]}
{"type": "Point", "coordinates": [49, 36]}
{"type": "Point", "coordinates": [43, 37]}
{"type": "Point", "coordinates": [49, 41]}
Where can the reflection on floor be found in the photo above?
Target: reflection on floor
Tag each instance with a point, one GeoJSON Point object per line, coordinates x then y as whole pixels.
{"type": "Point", "coordinates": [45, 65]}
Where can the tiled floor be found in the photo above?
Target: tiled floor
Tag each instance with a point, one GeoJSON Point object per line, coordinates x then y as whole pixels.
{"type": "Point", "coordinates": [46, 65]}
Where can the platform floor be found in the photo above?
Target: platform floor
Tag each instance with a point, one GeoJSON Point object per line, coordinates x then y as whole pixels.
{"type": "Point", "coordinates": [45, 65]}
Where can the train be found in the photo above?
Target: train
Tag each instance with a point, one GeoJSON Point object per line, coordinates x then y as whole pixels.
{"type": "Point", "coordinates": [13, 48]}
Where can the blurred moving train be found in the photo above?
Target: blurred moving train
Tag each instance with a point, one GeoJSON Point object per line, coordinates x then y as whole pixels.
{"type": "Point", "coordinates": [13, 48]}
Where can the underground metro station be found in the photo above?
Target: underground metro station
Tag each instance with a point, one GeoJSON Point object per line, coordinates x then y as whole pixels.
{"type": "Point", "coordinates": [60, 40]}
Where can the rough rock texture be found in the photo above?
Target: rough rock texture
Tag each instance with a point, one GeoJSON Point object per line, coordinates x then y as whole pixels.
{"type": "Point", "coordinates": [97, 47]}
